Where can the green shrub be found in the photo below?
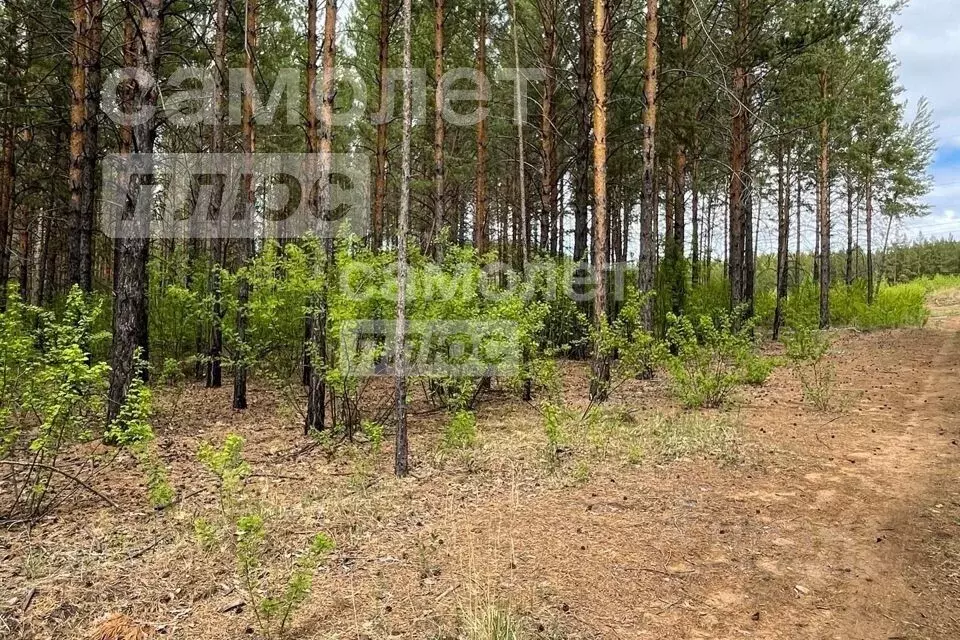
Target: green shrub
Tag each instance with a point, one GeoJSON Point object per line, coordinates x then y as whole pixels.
{"type": "Point", "coordinates": [707, 358]}
{"type": "Point", "coordinates": [555, 418]}
{"type": "Point", "coordinates": [807, 351]}
{"type": "Point", "coordinates": [461, 431]}
{"type": "Point", "coordinates": [755, 369]}
{"type": "Point", "coordinates": [52, 396]}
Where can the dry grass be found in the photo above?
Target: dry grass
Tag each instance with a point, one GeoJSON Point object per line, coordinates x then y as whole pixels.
{"type": "Point", "coordinates": [658, 534]}
{"type": "Point", "coordinates": [120, 627]}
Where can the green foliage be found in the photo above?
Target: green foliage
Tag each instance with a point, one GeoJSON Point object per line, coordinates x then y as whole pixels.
{"type": "Point", "coordinates": [755, 368]}
{"type": "Point", "coordinates": [52, 393]}
{"type": "Point", "coordinates": [638, 351]}
{"type": "Point", "coordinates": [374, 434]}
{"type": "Point", "coordinates": [131, 428]}
{"type": "Point", "coordinates": [554, 419]}
{"type": "Point", "coordinates": [708, 358]}
{"type": "Point", "coordinates": [226, 463]}
{"type": "Point", "coordinates": [460, 432]}
{"type": "Point", "coordinates": [807, 351]}
{"type": "Point", "coordinates": [274, 595]}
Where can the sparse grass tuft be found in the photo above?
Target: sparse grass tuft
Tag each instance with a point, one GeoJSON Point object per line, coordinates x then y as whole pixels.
{"type": "Point", "coordinates": [694, 435]}
{"type": "Point", "coordinates": [491, 622]}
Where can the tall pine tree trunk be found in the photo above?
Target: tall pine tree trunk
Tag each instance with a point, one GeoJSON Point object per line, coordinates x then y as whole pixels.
{"type": "Point", "coordinates": [848, 271]}
{"type": "Point", "coordinates": [401, 458]}
{"type": "Point", "coordinates": [601, 365]}
{"type": "Point", "coordinates": [316, 402]}
{"type": "Point", "coordinates": [548, 210]}
{"type": "Point", "coordinates": [313, 148]}
{"type": "Point", "coordinates": [740, 224]}
{"type": "Point", "coordinates": [380, 179]}
{"type": "Point", "coordinates": [438, 124]}
{"type": "Point", "coordinates": [695, 240]}
{"type": "Point", "coordinates": [581, 164]}
{"type": "Point", "coordinates": [648, 198]}
{"type": "Point", "coordinates": [214, 366]}
{"type": "Point", "coordinates": [678, 280]}
{"type": "Point", "coordinates": [783, 235]}
{"type": "Point", "coordinates": [480, 207]}
{"type": "Point", "coordinates": [78, 132]}
{"type": "Point", "coordinates": [7, 182]}
{"type": "Point", "coordinates": [249, 205]}
{"type": "Point", "coordinates": [823, 208]}
{"type": "Point", "coordinates": [131, 251]}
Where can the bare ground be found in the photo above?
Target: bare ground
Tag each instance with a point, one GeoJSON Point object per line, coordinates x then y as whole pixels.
{"type": "Point", "coordinates": [830, 525]}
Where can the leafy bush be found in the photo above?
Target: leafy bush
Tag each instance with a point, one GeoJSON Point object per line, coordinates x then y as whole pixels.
{"type": "Point", "coordinates": [52, 396]}
{"type": "Point", "coordinates": [461, 431]}
{"type": "Point", "coordinates": [755, 369]}
{"type": "Point", "coordinates": [708, 358]}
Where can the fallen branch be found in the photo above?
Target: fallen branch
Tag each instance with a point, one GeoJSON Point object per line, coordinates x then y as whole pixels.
{"type": "Point", "coordinates": [15, 463]}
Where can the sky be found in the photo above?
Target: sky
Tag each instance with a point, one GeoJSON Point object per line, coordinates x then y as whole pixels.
{"type": "Point", "coordinates": [928, 48]}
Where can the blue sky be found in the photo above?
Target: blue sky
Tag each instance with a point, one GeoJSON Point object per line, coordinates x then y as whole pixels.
{"type": "Point", "coordinates": [928, 48]}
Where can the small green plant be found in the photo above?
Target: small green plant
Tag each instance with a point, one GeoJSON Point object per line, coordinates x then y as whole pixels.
{"type": "Point", "coordinates": [461, 432]}
{"type": "Point", "coordinates": [554, 419]}
{"type": "Point", "coordinates": [205, 533]}
{"type": "Point", "coordinates": [807, 351]}
{"type": "Point", "coordinates": [755, 369]}
{"type": "Point", "coordinates": [708, 358]}
{"type": "Point", "coordinates": [373, 432]}
{"type": "Point", "coordinates": [226, 463]}
{"type": "Point", "coordinates": [274, 595]}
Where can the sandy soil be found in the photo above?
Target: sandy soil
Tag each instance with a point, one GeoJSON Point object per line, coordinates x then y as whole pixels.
{"type": "Point", "coordinates": [831, 525]}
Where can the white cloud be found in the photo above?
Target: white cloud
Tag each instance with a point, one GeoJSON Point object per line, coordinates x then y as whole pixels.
{"type": "Point", "coordinates": [928, 48]}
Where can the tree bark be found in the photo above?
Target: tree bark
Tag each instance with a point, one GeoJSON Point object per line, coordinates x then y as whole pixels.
{"type": "Point", "coordinates": [380, 179]}
{"type": "Point", "coordinates": [783, 235]}
{"type": "Point", "coordinates": [585, 97]}
{"type": "Point", "coordinates": [249, 204]}
{"type": "Point", "coordinates": [316, 405]}
{"type": "Point", "coordinates": [848, 274]}
{"type": "Point", "coordinates": [695, 223]}
{"type": "Point", "coordinates": [601, 26]}
{"type": "Point", "coordinates": [7, 182]}
{"type": "Point", "coordinates": [78, 133]}
{"type": "Point", "coordinates": [401, 459]}
{"type": "Point", "coordinates": [131, 252]}
{"type": "Point", "coordinates": [823, 208]}
{"type": "Point", "coordinates": [439, 130]}
{"type": "Point", "coordinates": [313, 148]}
{"type": "Point", "coordinates": [548, 210]}
{"type": "Point", "coordinates": [739, 155]}
{"type": "Point", "coordinates": [92, 64]}
{"type": "Point", "coordinates": [214, 365]}
{"type": "Point", "coordinates": [480, 211]}
{"type": "Point", "coordinates": [676, 247]}
{"type": "Point", "coordinates": [648, 199]}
